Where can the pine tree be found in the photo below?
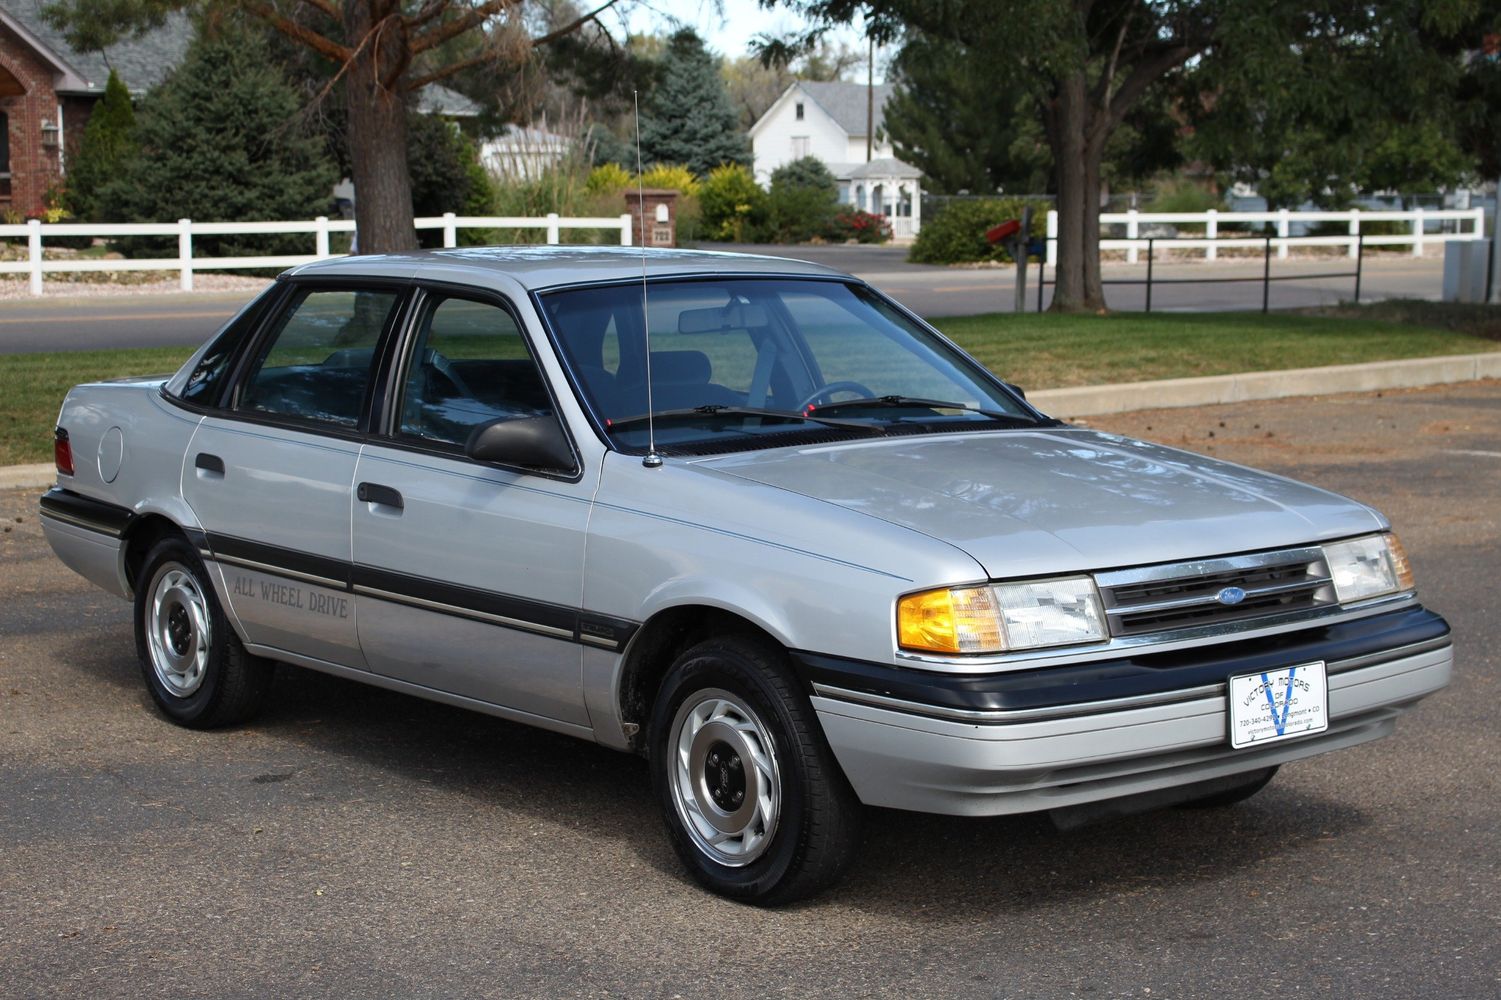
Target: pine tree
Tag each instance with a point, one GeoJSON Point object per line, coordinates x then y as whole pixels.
{"type": "Point", "coordinates": [219, 140]}
{"type": "Point", "coordinates": [108, 144]}
{"type": "Point", "coordinates": [690, 119]}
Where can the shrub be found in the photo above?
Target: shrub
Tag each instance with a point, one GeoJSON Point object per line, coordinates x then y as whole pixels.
{"type": "Point", "coordinates": [672, 176]}
{"type": "Point", "coordinates": [732, 203]}
{"type": "Point", "coordinates": [1180, 195]}
{"type": "Point", "coordinates": [446, 175]}
{"type": "Point", "coordinates": [803, 200]}
{"type": "Point", "coordinates": [219, 140]}
{"type": "Point", "coordinates": [861, 226]}
{"type": "Point", "coordinates": [607, 178]}
{"type": "Point", "coordinates": [955, 234]}
{"type": "Point", "coordinates": [107, 146]}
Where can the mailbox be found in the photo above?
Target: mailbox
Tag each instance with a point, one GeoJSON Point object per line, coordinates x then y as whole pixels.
{"type": "Point", "coordinates": [1004, 231]}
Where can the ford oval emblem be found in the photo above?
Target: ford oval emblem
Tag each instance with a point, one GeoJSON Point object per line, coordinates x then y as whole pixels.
{"type": "Point", "coordinates": [1230, 595]}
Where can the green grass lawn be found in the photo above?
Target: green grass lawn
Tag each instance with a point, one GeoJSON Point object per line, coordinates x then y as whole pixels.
{"type": "Point", "coordinates": [1036, 352]}
{"type": "Point", "coordinates": [1047, 351]}
{"type": "Point", "coordinates": [32, 387]}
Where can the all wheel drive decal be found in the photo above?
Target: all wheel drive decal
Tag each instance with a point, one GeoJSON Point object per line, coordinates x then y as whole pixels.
{"type": "Point", "coordinates": [504, 610]}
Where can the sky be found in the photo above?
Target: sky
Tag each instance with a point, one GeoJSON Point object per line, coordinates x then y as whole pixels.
{"type": "Point", "coordinates": [727, 31]}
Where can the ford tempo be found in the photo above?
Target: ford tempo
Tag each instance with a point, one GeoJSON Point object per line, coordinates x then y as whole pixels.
{"type": "Point", "coordinates": [746, 517]}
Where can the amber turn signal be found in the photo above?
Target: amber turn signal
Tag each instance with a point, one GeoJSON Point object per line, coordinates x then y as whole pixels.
{"type": "Point", "coordinates": [960, 620]}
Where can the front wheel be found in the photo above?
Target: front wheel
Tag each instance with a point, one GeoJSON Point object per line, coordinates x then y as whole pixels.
{"type": "Point", "coordinates": [754, 801]}
{"type": "Point", "coordinates": [195, 667]}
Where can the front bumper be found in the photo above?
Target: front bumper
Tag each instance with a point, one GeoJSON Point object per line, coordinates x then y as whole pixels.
{"type": "Point", "coordinates": [1038, 740]}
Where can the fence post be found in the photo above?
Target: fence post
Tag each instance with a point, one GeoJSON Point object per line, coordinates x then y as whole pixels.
{"type": "Point", "coordinates": [34, 253]}
{"type": "Point", "coordinates": [450, 231]}
{"type": "Point", "coordinates": [1212, 232]}
{"type": "Point", "coordinates": [1355, 232]}
{"type": "Point", "coordinates": [320, 246]}
{"type": "Point", "coordinates": [185, 254]}
{"type": "Point", "coordinates": [1266, 276]}
{"type": "Point", "coordinates": [1052, 237]}
{"type": "Point", "coordinates": [1417, 232]}
{"type": "Point", "coordinates": [1133, 230]}
{"type": "Point", "coordinates": [1150, 255]}
{"type": "Point", "coordinates": [625, 229]}
{"type": "Point", "coordinates": [1282, 231]}
{"type": "Point", "coordinates": [552, 228]}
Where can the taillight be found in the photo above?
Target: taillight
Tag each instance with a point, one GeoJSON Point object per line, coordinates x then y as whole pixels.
{"type": "Point", "coordinates": [62, 452]}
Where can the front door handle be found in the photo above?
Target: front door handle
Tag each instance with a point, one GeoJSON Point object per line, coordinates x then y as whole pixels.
{"type": "Point", "coordinates": [209, 463]}
{"type": "Point", "coordinates": [376, 493]}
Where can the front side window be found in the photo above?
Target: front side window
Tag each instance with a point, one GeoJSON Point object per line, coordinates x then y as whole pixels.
{"type": "Point", "coordinates": [317, 364]}
{"type": "Point", "coordinates": [470, 366]}
{"type": "Point", "coordinates": [734, 360]}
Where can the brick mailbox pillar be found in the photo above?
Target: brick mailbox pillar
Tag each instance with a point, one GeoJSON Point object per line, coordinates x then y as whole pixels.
{"type": "Point", "coordinates": [660, 216]}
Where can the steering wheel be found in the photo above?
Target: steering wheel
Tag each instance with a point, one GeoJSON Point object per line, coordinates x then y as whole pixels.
{"type": "Point", "coordinates": [438, 363]}
{"type": "Point", "coordinates": [860, 391]}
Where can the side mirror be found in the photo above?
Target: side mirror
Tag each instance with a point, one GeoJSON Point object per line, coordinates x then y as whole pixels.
{"type": "Point", "coordinates": [1016, 389]}
{"type": "Point", "coordinates": [537, 442]}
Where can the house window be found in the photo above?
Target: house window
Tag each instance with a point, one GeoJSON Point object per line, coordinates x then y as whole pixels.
{"type": "Point", "coordinates": [802, 146]}
{"type": "Point", "coordinates": [799, 110]}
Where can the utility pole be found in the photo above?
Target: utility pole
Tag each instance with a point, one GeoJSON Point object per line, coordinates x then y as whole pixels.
{"type": "Point", "coordinates": [870, 100]}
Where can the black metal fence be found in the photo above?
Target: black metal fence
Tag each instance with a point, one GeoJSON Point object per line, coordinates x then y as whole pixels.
{"type": "Point", "coordinates": [1266, 278]}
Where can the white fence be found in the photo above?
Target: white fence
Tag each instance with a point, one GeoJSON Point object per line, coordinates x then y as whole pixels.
{"type": "Point", "coordinates": [1418, 219]}
{"type": "Point", "coordinates": [36, 233]}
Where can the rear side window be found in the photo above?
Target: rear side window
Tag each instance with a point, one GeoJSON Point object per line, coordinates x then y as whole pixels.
{"type": "Point", "coordinates": [203, 379]}
{"type": "Point", "coordinates": [317, 364]}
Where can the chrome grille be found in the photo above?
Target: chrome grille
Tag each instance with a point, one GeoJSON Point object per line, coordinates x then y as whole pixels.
{"type": "Point", "coordinates": [1185, 595]}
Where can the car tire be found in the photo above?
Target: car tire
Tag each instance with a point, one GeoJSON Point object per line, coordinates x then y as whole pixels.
{"type": "Point", "coordinates": [755, 804]}
{"type": "Point", "coordinates": [1230, 796]}
{"type": "Point", "coordinates": [197, 670]}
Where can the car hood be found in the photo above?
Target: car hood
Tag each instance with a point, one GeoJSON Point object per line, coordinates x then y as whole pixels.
{"type": "Point", "coordinates": [1059, 500]}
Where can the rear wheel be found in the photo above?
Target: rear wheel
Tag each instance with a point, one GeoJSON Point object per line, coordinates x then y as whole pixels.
{"type": "Point", "coordinates": [195, 667]}
{"type": "Point", "coordinates": [754, 801]}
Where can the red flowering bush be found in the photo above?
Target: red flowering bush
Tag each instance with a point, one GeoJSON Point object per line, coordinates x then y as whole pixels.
{"type": "Point", "coordinates": [863, 227]}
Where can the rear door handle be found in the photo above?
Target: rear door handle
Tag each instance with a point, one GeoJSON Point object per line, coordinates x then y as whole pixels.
{"type": "Point", "coordinates": [209, 463]}
{"type": "Point", "coordinates": [376, 493]}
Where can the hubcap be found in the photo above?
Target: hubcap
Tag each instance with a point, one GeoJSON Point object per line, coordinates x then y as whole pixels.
{"type": "Point", "coordinates": [178, 637]}
{"type": "Point", "coordinates": [725, 781]}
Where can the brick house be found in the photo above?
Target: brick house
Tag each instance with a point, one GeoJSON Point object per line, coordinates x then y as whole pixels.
{"type": "Point", "coordinates": [48, 89]}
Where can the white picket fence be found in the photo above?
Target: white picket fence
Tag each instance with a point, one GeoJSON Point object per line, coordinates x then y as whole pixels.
{"type": "Point", "coordinates": [1418, 219]}
{"type": "Point", "coordinates": [37, 266]}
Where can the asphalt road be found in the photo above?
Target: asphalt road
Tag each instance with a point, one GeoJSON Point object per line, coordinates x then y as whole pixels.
{"type": "Point", "coordinates": [354, 842]}
{"type": "Point", "coordinates": [62, 323]}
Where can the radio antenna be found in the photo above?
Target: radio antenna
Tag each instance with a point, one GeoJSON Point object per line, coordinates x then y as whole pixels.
{"type": "Point", "coordinates": [652, 459]}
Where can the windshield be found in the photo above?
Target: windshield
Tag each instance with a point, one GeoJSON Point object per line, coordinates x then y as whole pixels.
{"type": "Point", "coordinates": [734, 361]}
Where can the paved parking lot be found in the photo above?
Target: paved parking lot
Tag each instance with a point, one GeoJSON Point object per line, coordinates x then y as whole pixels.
{"type": "Point", "coordinates": [355, 842]}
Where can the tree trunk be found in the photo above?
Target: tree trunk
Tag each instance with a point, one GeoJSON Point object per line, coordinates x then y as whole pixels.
{"type": "Point", "coordinates": [378, 128]}
{"type": "Point", "coordinates": [1077, 141]}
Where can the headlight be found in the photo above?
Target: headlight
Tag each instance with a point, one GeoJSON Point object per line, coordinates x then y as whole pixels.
{"type": "Point", "coordinates": [1368, 567]}
{"type": "Point", "coordinates": [1001, 617]}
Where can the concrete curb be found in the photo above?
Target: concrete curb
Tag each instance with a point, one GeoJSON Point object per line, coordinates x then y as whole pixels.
{"type": "Point", "coordinates": [1092, 400]}
{"type": "Point", "coordinates": [27, 477]}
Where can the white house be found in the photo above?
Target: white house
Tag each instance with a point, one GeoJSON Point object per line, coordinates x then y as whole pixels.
{"type": "Point", "coordinates": [524, 153]}
{"type": "Point", "coordinates": [828, 121]}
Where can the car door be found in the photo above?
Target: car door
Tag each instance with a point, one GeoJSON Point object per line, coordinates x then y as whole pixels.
{"type": "Point", "coordinates": [467, 576]}
{"type": "Point", "coordinates": [270, 476]}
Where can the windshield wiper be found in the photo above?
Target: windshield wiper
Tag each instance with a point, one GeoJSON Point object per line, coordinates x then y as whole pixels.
{"type": "Point", "coordinates": [721, 410]}
{"type": "Point", "coordinates": [916, 402]}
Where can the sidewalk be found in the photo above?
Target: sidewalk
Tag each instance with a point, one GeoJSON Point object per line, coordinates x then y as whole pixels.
{"type": "Point", "coordinates": [1095, 400]}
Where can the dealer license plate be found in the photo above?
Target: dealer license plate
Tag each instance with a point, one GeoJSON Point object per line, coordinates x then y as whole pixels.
{"type": "Point", "coordinates": [1278, 705]}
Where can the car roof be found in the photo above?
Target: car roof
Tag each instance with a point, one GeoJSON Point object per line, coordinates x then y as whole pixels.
{"type": "Point", "coordinates": [539, 267]}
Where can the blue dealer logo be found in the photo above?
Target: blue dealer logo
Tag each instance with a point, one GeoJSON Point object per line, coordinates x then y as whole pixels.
{"type": "Point", "coordinates": [1230, 595]}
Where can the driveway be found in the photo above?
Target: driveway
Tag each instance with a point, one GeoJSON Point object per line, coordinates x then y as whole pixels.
{"type": "Point", "coordinates": [355, 842]}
